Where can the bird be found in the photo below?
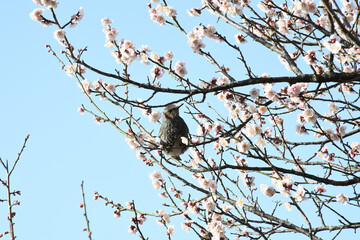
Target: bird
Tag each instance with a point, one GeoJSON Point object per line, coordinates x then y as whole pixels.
{"type": "Point", "coordinates": [173, 127]}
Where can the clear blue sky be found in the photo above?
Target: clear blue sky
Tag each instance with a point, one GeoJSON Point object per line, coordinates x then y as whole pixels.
{"type": "Point", "coordinates": [64, 148]}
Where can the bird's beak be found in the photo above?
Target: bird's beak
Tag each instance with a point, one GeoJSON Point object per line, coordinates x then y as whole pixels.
{"type": "Point", "coordinates": [179, 106]}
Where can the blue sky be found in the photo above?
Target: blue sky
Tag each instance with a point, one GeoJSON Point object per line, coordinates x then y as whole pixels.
{"type": "Point", "coordinates": [64, 148]}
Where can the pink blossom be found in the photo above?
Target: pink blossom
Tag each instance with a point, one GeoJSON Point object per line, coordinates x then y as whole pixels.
{"type": "Point", "coordinates": [309, 115]}
{"type": "Point", "coordinates": [154, 116]}
{"type": "Point", "coordinates": [333, 108]}
{"type": "Point", "coordinates": [283, 25]}
{"type": "Point", "coordinates": [342, 198]}
{"type": "Point", "coordinates": [271, 95]}
{"type": "Point", "coordinates": [155, 175]}
{"type": "Point", "coordinates": [252, 130]}
{"type": "Point", "coordinates": [97, 120]}
{"type": "Point", "coordinates": [140, 155]}
{"type": "Point", "coordinates": [216, 228]}
{"type": "Point", "coordinates": [287, 205]}
{"type": "Point", "coordinates": [243, 146]}
{"type": "Point", "coordinates": [117, 213]}
{"type": "Point", "coordinates": [195, 43]}
{"type": "Point", "coordinates": [320, 188]}
{"type": "Point", "coordinates": [106, 21]}
{"type": "Point", "coordinates": [38, 2]}
{"type": "Point", "coordinates": [262, 110]}
{"type": "Point", "coordinates": [240, 39]}
{"type": "Point", "coordinates": [169, 11]}
{"type": "Point", "coordinates": [81, 111]}
{"type": "Point", "coordinates": [36, 14]}
{"type": "Point", "coordinates": [310, 57]}
{"type": "Point", "coordinates": [254, 93]}
{"type": "Point", "coordinates": [300, 129]}
{"type": "Point", "coordinates": [332, 44]}
{"type": "Point", "coordinates": [342, 130]}
{"type": "Point", "coordinates": [247, 180]}
{"type": "Point", "coordinates": [186, 226]}
{"type": "Point", "coordinates": [294, 90]}
{"type": "Point", "coordinates": [260, 142]}
{"type": "Point", "coordinates": [300, 194]}
{"type": "Point", "coordinates": [50, 3]}
{"type": "Point", "coordinates": [266, 190]}
{"type": "Point", "coordinates": [157, 72]}
{"type": "Point", "coordinates": [239, 202]}
{"type": "Point", "coordinates": [170, 231]}
{"type": "Point", "coordinates": [226, 208]}
{"type": "Point", "coordinates": [194, 12]}
{"type": "Point", "coordinates": [180, 69]}
{"type": "Point", "coordinates": [110, 87]}
{"type": "Point", "coordinates": [76, 18]}
{"type": "Point", "coordinates": [169, 55]}
{"type": "Point", "coordinates": [132, 229]}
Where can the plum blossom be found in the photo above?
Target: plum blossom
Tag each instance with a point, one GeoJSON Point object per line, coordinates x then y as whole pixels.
{"type": "Point", "coordinates": [243, 146]}
{"type": "Point", "coordinates": [36, 14]}
{"type": "Point", "coordinates": [254, 93]}
{"type": "Point", "coordinates": [252, 129]}
{"type": "Point", "coordinates": [217, 229]}
{"type": "Point", "coordinates": [294, 90]}
{"type": "Point", "coordinates": [85, 85]}
{"type": "Point", "coordinates": [283, 25]}
{"type": "Point", "coordinates": [284, 185]}
{"type": "Point", "coordinates": [132, 229]}
{"type": "Point", "coordinates": [355, 149]}
{"type": "Point", "coordinates": [157, 72]}
{"type": "Point", "coordinates": [266, 190]}
{"type": "Point", "coordinates": [50, 3]}
{"type": "Point", "coordinates": [169, 55]}
{"type": "Point", "coordinates": [342, 198]}
{"type": "Point", "coordinates": [284, 62]}
{"type": "Point", "coordinates": [226, 208]}
{"type": "Point", "coordinates": [194, 12]}
{"type": "Point", "coordinates": [247, 180]}
{"type": "Point", "coordinates": [320, 188]}
{"type": "Point", "coordinates": [239, 202]}
{"type": "Point", "coordinates": [300, 129]}
{"type": "Point", "coordinates": [186, 226]}
{"type": "Point", "coordinates": [300, 193]}
{"type": "Point", "coordinates": [180, 68]}
{"type": "Point", "coordinates": [287, 205]}
{"type": "Point", "coordinates": [260, 142]}
{"type": "Point", "coordinates": [156, 16]}
{"type": "Point", "coordinates": [209, 204]}
{"type": "Point", "coordinates": [193, 207]}
{"type": "Point", "coordinates": [81, 111]}
{"type": "Point", "coordinates": [309, 115]}
{"type": "Point", "coordinates": [157, 180]}
{"type": "Point", "coordinates": [154, 116]}
{"type": "Point", "coordinates": [341, 130]}
{"type": "Point", "coordinates": [262, 110]}
{"type": "Point", "coordinates": [310, 57]}
{"type": "Point", "coordinates": [332, 44]}
{"type": "Point", "coordinates": [208, 184]}
{"type": "Point", "coordinates": [240, 39]}
{"type": "Point", "coordinates": [110, 87]}
{"type": "Point", "coordinates": [169, 11]}
{"type": "Point", "coordinates": [106, 21]}
{"type": "Point", "coordinates": [170, 231]}
{"type": "Point", "coordinates": [76, 18]}
{"type": "Point", "coordinates": [333, 107]}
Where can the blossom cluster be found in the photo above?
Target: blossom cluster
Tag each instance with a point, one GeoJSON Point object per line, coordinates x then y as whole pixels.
{"type": "Point", "coordinates": [157, 14]}
{"type": "Point", "coordinates": [196, 36]}
{"type": "Point", "coordinates": [96, 85]}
